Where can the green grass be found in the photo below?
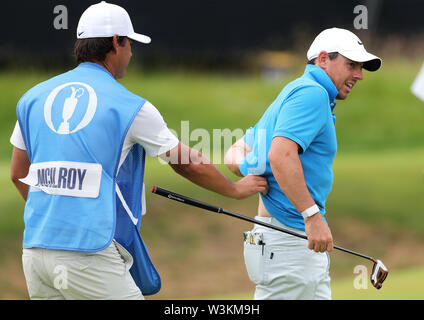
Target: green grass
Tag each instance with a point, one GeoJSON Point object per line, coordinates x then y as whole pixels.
{"type": "Point", "coordinates": [381, 188]}
{"type": "Point", "coordinates": [378, 188]}
{"type": "Point", "coordinates": [380, 113]}
{"type": "Point", "coordinates": [379, 169]}
{"type": "Point", "coordinates": [399, 285]}
{"type": "Point", "coordinates": [11, 206]}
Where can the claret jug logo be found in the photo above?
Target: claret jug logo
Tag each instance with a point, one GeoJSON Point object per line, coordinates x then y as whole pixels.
{"type": "Point", "coordinates": [70, 107]}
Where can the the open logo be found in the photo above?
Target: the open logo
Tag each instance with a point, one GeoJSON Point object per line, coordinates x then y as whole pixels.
{"type": "Point", "coordinates": [65, 98]}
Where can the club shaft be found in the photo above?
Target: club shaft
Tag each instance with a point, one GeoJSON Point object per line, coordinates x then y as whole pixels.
{"type": "Point", "coordinates": [206, 206]}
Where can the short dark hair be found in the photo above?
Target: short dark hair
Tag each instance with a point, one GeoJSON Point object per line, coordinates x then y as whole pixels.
{"type": "Point", "coordinates": [94, 48]}
{"type": "Point", "coordinates": [331, 55]}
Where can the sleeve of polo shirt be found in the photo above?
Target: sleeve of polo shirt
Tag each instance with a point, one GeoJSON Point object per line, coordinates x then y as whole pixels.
{"type": "Point", "coordinates": [150, 131]}
{"type": "Point", "coordinates": [17, 139]}
{"type": "Point", "coordinates": [303, 115]}
{"type": "Point", "coordinates": [254, 163]}
{"type": "Point", "coordinates": [249, 136]}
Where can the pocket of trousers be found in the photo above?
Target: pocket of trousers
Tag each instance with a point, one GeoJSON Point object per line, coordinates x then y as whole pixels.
{"type": "Point", "coordinates": [254, 261]}
{"type": "Point", "coordinates": [74, 260]}
{"type": "Point", "coordinates": [126, 256]}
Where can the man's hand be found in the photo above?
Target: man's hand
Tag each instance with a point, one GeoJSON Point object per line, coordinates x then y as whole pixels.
{"type": "Point", "coordinates": [250, 185]}
{"type": "Point", "coordinates": [318, 233]}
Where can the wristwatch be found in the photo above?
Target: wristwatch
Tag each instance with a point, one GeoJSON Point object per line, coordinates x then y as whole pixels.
{"type": "Point", "coordinates": [310, 211]}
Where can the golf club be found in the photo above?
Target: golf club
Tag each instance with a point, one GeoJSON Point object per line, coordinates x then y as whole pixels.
{"type": "Point", "coordinates": [379, 271]}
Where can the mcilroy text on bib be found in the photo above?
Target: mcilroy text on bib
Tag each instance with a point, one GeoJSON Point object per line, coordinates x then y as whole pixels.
{"type": "Point", "coordinates": [65, 178]}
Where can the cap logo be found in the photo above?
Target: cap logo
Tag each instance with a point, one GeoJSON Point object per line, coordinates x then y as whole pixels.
{"type": "Point", "coordinates": [80, 33]}
{"type": "Point", "coordinates": [70, 107]}
{"type": "Point", "coordinates": [360, 43]}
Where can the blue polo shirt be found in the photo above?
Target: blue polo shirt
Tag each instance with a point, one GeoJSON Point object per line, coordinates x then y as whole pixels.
{"type": "Point", "coordinates": [302, 112]}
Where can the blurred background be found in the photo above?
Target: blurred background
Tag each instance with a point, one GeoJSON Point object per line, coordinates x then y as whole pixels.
{"type": "Point", "coordinates": [218, 65]}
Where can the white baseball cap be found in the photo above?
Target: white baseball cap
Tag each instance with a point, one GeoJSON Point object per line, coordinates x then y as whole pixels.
{"type": "Point", "coordinates": [104, 19]}
{"type": "Point", "coordinates": [347, 44]}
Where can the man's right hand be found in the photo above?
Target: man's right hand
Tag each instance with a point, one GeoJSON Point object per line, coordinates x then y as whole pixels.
{"type": "Point", "coordinates": [249, 185]}
{"type": "Point", "coordinates": [318, 233]}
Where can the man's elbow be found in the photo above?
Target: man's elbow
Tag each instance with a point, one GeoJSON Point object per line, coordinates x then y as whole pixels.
{"type": "Point", "coordinates": [283, 150]}
{"type": "Point", "coordinates": [273, 157]}
{"type": "Point", "coordinates": [187, 169]}
{"type": "Point", "coordinates": [281, 158]}
{"type": "Point", "coordinates": [15, 176]}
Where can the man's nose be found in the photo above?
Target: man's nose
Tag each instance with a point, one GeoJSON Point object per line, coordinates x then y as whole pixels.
{"type": "Point", "coordinates": [358, 74]}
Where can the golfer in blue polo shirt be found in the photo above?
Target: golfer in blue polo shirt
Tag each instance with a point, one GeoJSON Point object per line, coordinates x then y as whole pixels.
{"type": "Point", "coordinates": [293, 146]}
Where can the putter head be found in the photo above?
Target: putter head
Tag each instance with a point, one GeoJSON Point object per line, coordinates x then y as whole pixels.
{"type": "Point", "coordinates": [379, 274]}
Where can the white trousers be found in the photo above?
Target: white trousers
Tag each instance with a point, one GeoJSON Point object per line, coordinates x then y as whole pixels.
{"type": "Point", "coordinates": [284, 268]}
{"type": "Point", "coordinates": [62, 274]}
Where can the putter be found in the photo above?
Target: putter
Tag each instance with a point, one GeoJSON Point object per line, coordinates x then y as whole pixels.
{"type": "Point", "coordinates": [379, 270]}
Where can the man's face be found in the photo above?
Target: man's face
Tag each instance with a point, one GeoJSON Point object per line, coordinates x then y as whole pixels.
{"type": "Point", "coordinates": [344, 73]}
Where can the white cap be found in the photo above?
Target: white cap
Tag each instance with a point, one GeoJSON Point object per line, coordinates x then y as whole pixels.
{"type": "Point", "coordinates": [347, 44]}
{"type": "Point", "coordinates": [104, 20]}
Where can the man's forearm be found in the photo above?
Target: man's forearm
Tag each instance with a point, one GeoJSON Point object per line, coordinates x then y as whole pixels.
{"type": "Point", "coordinates": [19, 168]}
{"type": "Point", "coordinates": [207, 176]}
{"type": "Point", "coordinates": [287, 169]}
{"type": "Point", "coordinates": [192, 165]}
{"type": "Point", "coordinates": [22, 188]}
{"type": "Point", "coordinates": [234, 168]}
{"type": "Point", "coordinates": [200, 171]}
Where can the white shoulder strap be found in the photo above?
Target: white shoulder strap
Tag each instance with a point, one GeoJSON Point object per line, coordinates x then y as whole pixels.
{"type": "Point", "coordinates": [124, 204]}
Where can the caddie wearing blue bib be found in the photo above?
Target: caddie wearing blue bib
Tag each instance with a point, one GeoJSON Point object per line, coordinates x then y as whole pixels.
{"type": "Point", "coordinates": [80, 143]}
{"type": "Point", "coordinates": [293, 146]}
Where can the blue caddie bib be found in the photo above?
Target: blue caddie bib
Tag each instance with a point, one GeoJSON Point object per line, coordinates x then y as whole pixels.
{"type": "Point", "coordinates": [74, 126]}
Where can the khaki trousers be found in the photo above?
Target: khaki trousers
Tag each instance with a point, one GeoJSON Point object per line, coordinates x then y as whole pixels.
{"type": "Point", "coordinates": [73, 275]}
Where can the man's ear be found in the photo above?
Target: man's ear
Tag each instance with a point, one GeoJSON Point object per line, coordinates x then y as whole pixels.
{"type": "Point", "coordinates": [322, 60]}
{"type": "Point", "coordinates": [115, 43]}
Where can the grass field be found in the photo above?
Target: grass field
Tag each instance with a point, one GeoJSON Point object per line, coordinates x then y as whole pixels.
{"type": "Point", "coordinates": [375, 206]}
{"type": "Point", "coordinates": [402, 285]}
{"type": "Point", "coordinates": [380, 113]}
{"type": "Point", "coordinates": [181, 238]}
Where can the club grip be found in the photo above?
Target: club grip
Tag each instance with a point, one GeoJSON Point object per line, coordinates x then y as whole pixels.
{"type": "Point", "coordinates": [180, 198]}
